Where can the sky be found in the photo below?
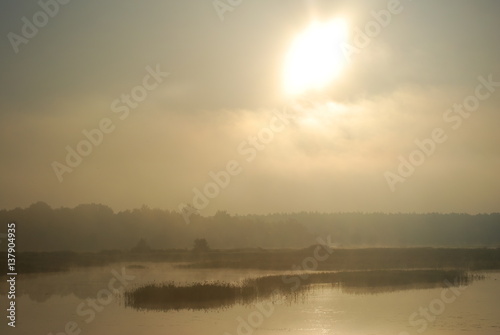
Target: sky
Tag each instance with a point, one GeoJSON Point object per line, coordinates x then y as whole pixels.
{"type": "Point", "coordinates": [175, 103]}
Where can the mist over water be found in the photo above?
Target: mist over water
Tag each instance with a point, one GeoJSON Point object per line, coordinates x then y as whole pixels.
{"type": "Point", "coordinates": [379, 303]}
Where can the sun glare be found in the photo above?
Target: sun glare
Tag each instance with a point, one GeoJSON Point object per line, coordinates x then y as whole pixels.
{"type": "Point", "coordinates": [315, 57]}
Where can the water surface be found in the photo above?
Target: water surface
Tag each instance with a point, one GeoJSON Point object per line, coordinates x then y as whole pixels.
{"type": "Point", "coordinates": [48, 302]}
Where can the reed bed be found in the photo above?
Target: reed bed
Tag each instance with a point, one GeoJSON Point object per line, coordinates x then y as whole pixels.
{"type": "Point", "coordinates": [207, 295]}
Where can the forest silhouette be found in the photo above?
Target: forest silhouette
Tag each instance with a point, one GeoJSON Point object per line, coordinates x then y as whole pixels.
{"type": "Point", "coordinates": [96, 227]}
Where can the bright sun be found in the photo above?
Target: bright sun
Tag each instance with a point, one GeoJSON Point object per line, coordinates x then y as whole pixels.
{"type": "Point", "coordinates": [315, 57]}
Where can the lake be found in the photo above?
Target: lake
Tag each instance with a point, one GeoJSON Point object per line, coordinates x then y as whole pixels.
{"type": "Point", "coordinates": [91, 301]}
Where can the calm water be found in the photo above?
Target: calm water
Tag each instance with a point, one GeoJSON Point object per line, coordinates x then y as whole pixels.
{"type": "Point", "coordinates": [50, 302]}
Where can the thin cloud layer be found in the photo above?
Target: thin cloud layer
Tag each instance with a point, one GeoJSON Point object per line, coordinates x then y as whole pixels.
{"type": "Point", "coordinates": [223, 102]}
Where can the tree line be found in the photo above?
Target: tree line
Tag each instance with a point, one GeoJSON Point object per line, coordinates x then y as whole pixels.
{"type": "Point", "coordinates": [96, 227]}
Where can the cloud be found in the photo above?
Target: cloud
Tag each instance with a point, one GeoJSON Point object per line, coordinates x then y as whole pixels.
{"type": "Point", "coordinates": [331, 157]}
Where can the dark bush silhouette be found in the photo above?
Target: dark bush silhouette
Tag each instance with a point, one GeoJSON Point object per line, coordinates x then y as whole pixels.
{"type": "Point", "coordinates": [200, 246]}
{"type": "Point", "coordinates": [141, 247]}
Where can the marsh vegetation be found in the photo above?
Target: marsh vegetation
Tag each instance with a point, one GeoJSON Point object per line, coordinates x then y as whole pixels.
{"type": "Point", "coordinates": [169, 296]}
{"type": "Point", "coordinates": [277, 259]}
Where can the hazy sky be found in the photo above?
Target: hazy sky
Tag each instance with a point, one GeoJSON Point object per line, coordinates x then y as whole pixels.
{"type": "Point", "coordinates": [225, 85]}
